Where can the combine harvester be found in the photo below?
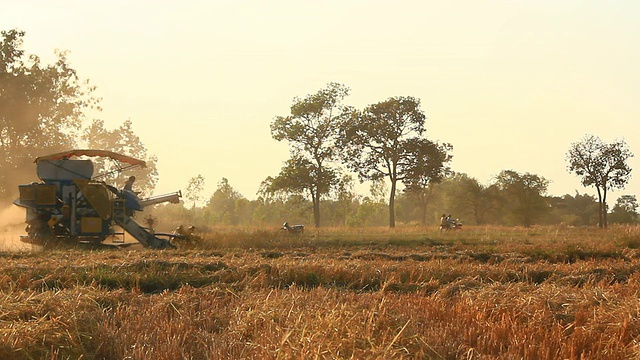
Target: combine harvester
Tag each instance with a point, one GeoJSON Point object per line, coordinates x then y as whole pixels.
{"type": "Point", "coordinates": [70, 204]}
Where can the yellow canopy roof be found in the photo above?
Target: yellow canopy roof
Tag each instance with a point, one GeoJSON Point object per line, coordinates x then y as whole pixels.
{"type": "Point", "coordinates": [92, 153]}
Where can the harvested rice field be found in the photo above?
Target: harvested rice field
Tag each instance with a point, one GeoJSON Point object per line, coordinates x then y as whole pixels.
{"type": "Point", "coordinates": [414, 293]}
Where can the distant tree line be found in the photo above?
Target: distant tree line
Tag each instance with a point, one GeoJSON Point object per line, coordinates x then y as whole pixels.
{"type": "Point", "coordinates": [511, 199]}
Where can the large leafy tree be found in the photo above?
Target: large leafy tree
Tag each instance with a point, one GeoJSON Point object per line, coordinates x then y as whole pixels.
{"type": "Point", "coordinates": [386, 140]}
{"type": "Point", "coordinates": [601, 165]}
{"type": "Point", "coordinates": [524, 195]}
{"type": "Point", "coordinates": [41, 108]}
{"type": "Point", "coordinates": [311, 130]}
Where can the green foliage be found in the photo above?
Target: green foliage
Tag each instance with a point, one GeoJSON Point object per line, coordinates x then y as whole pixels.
{"type": "Point", "coordinates": [375, 138]}
{"type": "Point", "coordinates": [194, 190]}
{"type": "Point", "coordinates": [575, 210]}
{"type": "Point", "coordinates": [226, 205]}
{"type": "Point", "coordinates": [123, 141]}
{"type": "Point", "coordinates": [346, 199]}
{"type": "Point", "coordinates": [311, 130]}
{"type": "Point", "coordinates": [427, 169]}
{"type": "Point", "coordinates": [274, 208]}
{"type": "Point", "coordinates": [42, 111]}
{"type": "Point", "coordinates": [467, 198]}
{"type": "Point", "coordinates": [625, 211]}
{"type": "Point", "coordinates": [369, 213]}
{"type": "Point", "coordinates": [301, 176]}
{"type": "Point", "coordinates": [524, 195]}
{"type": "Point", "coordinates": [41, 108]}
{"type": "Point", "coordinates": [385, 140]}
{"type": "Point", "coordinates": [601, 165]}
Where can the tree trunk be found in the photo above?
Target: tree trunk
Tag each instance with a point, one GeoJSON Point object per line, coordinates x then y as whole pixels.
{"type": "Point", "coordinates": [345, 212]}
{"type": "Point", "coordinates": [476, 213]}
{"type": "Point", "coordinates": [604, 207]}
{"type": "Point", "coordinates": [600, 220]}
{"type": "Point", "coordinates": [427, 197]}
{"type": "Point", "coordinates": [392, 200]}
{"type": "Point", "coordinates": [316, 209]}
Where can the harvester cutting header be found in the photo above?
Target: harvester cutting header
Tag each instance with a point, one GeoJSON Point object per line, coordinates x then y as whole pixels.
{"type": "Point", "coordinates": [71, 204]}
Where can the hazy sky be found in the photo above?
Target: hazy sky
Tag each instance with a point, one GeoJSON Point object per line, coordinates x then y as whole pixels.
{"type": "Point", "coordinates": [510, 84]}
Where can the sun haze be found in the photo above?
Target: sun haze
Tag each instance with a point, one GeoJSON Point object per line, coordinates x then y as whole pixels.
{"type": "Point", "coordinates": [509, 84]}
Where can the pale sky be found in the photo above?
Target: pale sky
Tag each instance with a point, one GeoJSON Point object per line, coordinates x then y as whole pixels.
{"type": "Point", "coordinates": [510, 84]}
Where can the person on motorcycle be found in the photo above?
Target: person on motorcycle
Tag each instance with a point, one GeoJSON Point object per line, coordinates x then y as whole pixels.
{"type": "Point", "coordinates": [443, 221]}
{"type": "Point", "coordinates": [449, 221]}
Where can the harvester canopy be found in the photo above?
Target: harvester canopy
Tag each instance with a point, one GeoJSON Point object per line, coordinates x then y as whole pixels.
{"type": "Point", "coordinates": [92, 153]}
{"type": "Point", "coordinates": [54, 166]}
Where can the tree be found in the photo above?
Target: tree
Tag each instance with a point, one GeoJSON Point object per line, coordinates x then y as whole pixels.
{"type": "Point", "coordinates": [466, 196]}
{"type": "Point", "coordinates": [194, 190]}
{"type": "Point", "coordinates": [625, 210]}
{"type": "Point", "coordinates": [124, 141]}
{"type": "Point", "coordinates": [424, 172]}
{"type": "Point", "coordinates": [385, 140]}
{"type": "Point", "coordinates": [371, 212]}
{"type": "Point", "coordinates": [525, 194]}
{"type": "Point", "coordinates": [299, 176]}
{"type": "Point", "coordinates": [573, 210]}
{"type": "Point", "coordinates": [601, 165]}
{"type": "Point", "coordinates": [279, 205]}
{"type": "Point", "coordinates": [311, 130]}
{"type": "Point", "coordinates": [346, 197]}
{"type": "Point", "coordinates": [41, 107]}
{"type": "Point", "coordinates": [265, 211]}
{"type": "Point", "coordinates": [224, 205]}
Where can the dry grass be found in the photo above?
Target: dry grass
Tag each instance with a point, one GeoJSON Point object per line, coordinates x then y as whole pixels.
{"type": "Point", "coordinates": [483, 293]}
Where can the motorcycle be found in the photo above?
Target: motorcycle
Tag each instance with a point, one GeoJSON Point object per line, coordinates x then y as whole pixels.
{"type": "Point", "coordinates": [295, 229]}
{"type": "Point", "coordinates": [451, 225]}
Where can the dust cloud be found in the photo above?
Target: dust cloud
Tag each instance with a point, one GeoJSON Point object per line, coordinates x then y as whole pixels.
{"type": "Point", "coordinates": [12, 224]}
